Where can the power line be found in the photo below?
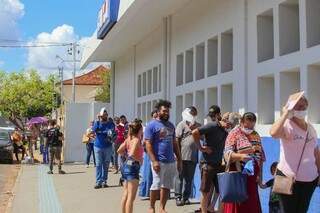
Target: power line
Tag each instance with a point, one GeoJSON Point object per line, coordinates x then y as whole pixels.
{"type": "Point", "coordinates": [38, 42]}
{"type": "Point", "coordinates": [32, 46]}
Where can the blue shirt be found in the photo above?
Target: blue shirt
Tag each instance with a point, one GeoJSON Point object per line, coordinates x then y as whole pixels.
{"type": "Point", "coordinates": [161, 135]}
{"type": "Point", "coordinates": [104, 133]}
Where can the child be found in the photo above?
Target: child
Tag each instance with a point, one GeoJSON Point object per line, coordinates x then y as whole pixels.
{"type": "Point", "coordinates": [274, 203]}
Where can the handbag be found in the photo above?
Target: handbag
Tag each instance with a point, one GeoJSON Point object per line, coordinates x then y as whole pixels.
{"type": "Point", "coordinates": [85, 138]}
{"type": "Point", "coordinates": [232, 185]}
{"type": "Point", "coordinates": [284, 184]}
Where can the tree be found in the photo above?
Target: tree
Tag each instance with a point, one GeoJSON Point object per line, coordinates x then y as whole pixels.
{"type": "Point", "coordinates": [103, 93]}
{"type": "Point", "coordinates": [24, 95]}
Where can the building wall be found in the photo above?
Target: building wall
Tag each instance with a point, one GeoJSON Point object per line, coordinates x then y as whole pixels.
{"type": "Point", "coordinates": [84, 94]}
{"type": "Point", "coordinates": [236, 54]}
{"type": "Point", "coordinates": [202, 28]}
{"type": "Point", "coordinates": [124, 86]}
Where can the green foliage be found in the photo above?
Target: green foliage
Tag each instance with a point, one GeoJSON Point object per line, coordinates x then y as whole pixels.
{"type": "Point", "coordinates": [25, 95]}
{"type": "Point", "coordinates": [103, 93]}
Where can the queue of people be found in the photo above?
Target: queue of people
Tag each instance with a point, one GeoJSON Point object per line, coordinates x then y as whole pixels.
{"type": "Point", "coordinates": [167, 156]}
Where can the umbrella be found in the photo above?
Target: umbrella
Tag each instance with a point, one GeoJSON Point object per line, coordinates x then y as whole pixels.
{"type": "Point", "coordinates": [37, 120]}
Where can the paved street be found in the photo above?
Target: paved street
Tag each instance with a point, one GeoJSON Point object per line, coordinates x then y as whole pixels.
{"type": "Point", "coordinates": [38, 192]}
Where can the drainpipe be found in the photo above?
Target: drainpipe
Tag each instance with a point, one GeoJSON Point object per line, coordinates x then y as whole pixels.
{"type": "Point", "coordinates": [135, 82]}
{"type": "Point", "coordinates": [112, 88]}
{"type": "Point", "coordinates": [164, 63]}
{"type": "Point", "coordinates": [246, 56]}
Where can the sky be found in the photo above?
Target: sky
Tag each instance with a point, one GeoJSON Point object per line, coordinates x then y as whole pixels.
{"type": "Point", "coordinates": [35, 22]}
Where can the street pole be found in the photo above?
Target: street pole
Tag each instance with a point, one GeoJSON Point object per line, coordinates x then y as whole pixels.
{"type": "Point", "coordinates": [74, 51]}
{"type": "Point", "coordinates": [61, 83]}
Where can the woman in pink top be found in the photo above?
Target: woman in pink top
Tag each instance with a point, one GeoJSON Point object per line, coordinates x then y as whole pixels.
{"type": "Point", "coordinates": [293, 132]}
{"type": "Point", "coordinates": [133, 150]}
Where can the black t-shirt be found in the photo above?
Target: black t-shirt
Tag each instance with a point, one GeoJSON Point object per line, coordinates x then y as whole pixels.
{"type": "Point", "coordinates": [215, 137]}
{"type": "Point", "coordinates": [53, 136]}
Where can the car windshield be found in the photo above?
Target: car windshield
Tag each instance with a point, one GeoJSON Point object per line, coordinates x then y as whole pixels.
{"type": "Point", "coordinates": [4, 137]}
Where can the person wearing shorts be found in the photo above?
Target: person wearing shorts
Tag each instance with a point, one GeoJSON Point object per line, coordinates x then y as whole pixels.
{"type": "Point", "coordinates": [133, 150]}
{"type": "Point", "coordinates": [215, 134]}
{"type": "Point", "coordinates": [162, 149]}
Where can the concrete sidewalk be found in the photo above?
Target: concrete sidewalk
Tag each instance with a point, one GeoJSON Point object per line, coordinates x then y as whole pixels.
{"type": "Point", "coordinates": [36, 191]}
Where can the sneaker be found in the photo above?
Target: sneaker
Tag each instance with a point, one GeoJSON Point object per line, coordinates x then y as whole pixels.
{"type": "Point", "coordinates": [105, 185]}
{"type": "Point", "coordinates": [87, 166]}
{"type": "Point", "coordinates": [179, 202]}
{"type": "Point", "coordinates": [62, 172]}
{"type": "Point", "coordinates": [50, 172]}
{"type": "Point", "coordinates": [98, 186]}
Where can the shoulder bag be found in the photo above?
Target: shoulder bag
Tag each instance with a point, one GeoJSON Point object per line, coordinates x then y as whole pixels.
{"type": "Point", "coordinates": [284, 184]}
{"type": "Point", "coordinates": [232, 185]}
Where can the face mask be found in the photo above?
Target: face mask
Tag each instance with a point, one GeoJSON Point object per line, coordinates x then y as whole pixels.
{"type": "Point", "coordinates": [300, 114]}
{"type": "Point", "coordinates": [246, 131]}
{"type": "Point", "coordinates": [186, 116]}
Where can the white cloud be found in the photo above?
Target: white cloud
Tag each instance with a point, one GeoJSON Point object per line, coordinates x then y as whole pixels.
{"type": "Point", "coordinates": [1, 63]}
{"type": "Point", "coordinates": [10, 12]}
{"type": "Point", "coordinates": [44, 59]}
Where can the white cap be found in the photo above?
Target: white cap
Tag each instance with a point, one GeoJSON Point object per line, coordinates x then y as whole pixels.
{"type": "Point", "coordinates": [102, 110]}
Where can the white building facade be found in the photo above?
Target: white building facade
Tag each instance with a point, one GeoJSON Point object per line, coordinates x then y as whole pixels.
{"type": "Point", "coordinates": [243, 55]}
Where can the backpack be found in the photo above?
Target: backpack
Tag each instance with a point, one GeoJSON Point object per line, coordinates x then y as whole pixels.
{"type": "Point", "coordinates": [53, 135]}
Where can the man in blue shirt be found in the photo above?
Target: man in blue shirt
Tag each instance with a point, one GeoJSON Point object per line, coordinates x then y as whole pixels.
{"type": "Point", "coordinates": [105, 131]}
{"type": "Point", "coordinates": [163, 151]}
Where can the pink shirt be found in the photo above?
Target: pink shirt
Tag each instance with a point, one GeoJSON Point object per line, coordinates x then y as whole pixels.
{"type": "Point", "coordinates": [291, 149]}
{"type": "Point", "coordinates": [138, 154]}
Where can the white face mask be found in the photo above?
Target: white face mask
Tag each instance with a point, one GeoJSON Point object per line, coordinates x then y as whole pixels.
{"type": "Point", "coordinates": [186, 116]}
{"type": "Point", "coordinates": [246, 130]}
{"type": "Point", "coordinates": [300, 114]}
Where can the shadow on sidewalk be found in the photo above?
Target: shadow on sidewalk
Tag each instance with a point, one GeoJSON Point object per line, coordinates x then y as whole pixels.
{"type": "Point", "coordinates": [74, 173]}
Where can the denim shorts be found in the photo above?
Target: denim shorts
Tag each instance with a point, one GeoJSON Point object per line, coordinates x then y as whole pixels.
{"type": "Point", "coordinates": [130, 170]}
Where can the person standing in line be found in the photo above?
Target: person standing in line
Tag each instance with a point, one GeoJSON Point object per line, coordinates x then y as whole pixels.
{"type": "Point", "coordinates": [164, 153]}
{"type": "Point", "coordinates": [189, 155]}
{"type": "Point", "coordinates": [146, 172]}
{"type": "Point", "coordinates": [43, 145]}
{"type": "Point", "coordinates": [120, 131]}
{"type": "Point", "coordinates": [298, 153]}
{"type": "Point", "coordinates": [133, 150]}
{"type": "Point", "coordinates": [124, 122]}
{"type": "Point", "coordinates": [274, 203]}
{"type": "Point", "coordinates": [215, 134]}
{"type": "Point", "coordinates": [104, 131]}
{"type": "Point", "coordinates": [54, 140]}
{"type": "Point", "coordinates": [243, 144]}
{"type": "Point", "coordinates": [90, 144]}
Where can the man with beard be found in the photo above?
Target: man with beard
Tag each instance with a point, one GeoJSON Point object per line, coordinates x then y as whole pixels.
{"type": "Point", "coordinates": [212, 151]}
{"type": "Point", "coordinates": [161, 147]}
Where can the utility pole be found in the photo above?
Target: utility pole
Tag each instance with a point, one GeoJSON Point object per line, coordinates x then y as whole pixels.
{"type": "Point", "coordinates": [61, 83]}
{"type": "Point", "coordinates": [74, 51]}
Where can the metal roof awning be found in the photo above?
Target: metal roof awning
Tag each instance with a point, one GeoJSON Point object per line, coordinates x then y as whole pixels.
{"type": "Point", "coordinates": [140, 19]}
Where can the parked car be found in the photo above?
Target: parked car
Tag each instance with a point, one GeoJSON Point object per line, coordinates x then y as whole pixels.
{"type": "Point", "coordinates": [6, 145]}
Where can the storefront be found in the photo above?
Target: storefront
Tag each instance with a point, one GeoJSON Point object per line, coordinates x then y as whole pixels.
{"type": "Point", "coordinates": [244, 55]}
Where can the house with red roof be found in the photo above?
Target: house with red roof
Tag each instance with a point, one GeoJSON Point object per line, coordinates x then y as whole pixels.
{"type": "Point", "coordinates": [86, 85]}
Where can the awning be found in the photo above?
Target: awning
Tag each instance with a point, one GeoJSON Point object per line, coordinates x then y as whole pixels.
{"type": "Point", "coordinates": [140, 19]}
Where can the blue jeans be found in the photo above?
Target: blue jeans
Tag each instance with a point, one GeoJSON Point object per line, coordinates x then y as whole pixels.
{"type": "Point", "coordinates": [90, 151]}
{"type": "Point", "coordinates": [45, 154]}
{"type": "Point", "coordinates": [103, 157]}
{"type": "Point", "coordinates": [183, 181]}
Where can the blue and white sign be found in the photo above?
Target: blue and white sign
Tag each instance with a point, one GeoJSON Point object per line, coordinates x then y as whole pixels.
{"type": "Point", "coordinates": [107, 17]}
